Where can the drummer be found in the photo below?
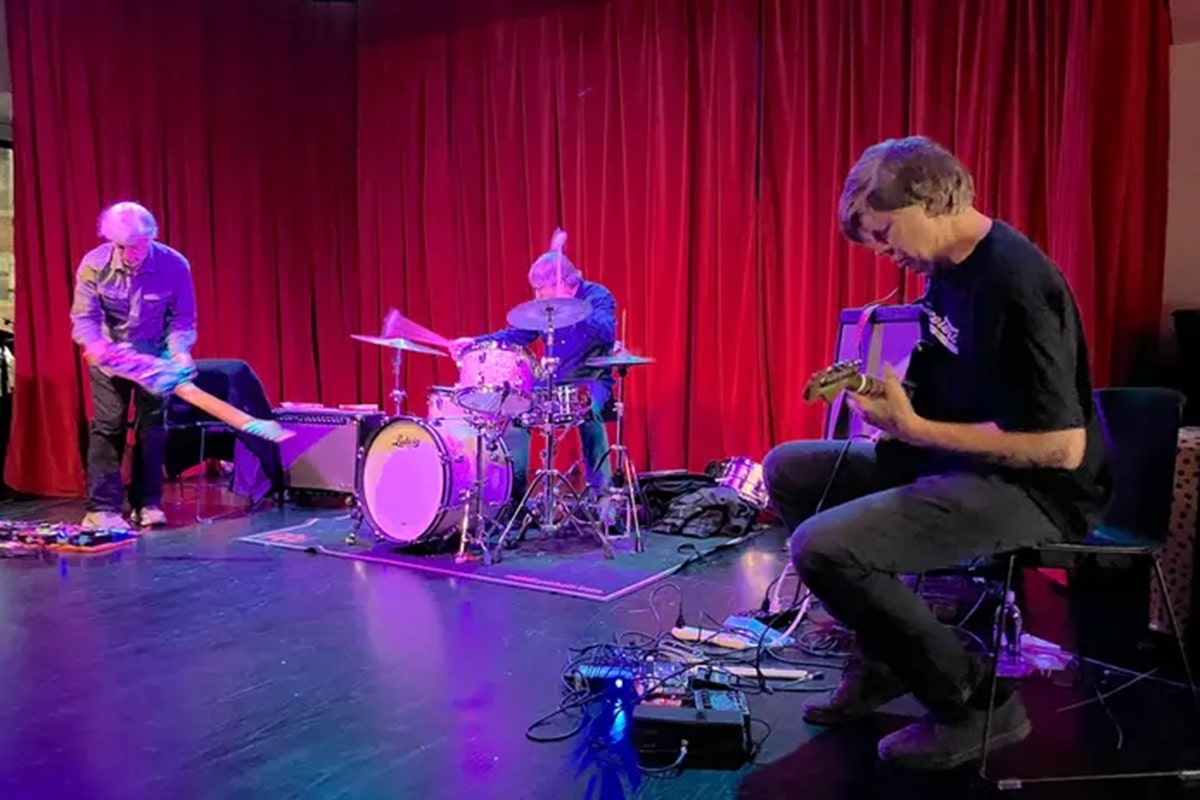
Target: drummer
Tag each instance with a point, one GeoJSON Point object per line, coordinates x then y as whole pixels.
{"type": "Point", "coordinates": [553, 276]}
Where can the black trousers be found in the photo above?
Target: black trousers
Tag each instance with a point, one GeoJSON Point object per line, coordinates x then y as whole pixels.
{"type": "Point", "coordinates": [876, 527]}
{"type": "Point", "coordinates": [106, 444]}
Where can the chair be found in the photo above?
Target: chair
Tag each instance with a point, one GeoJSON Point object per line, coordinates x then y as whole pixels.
{"type": "Point", "coordinates": [1141, 429]}
{"type": "Point", "coordinates": [235, 382]}
{"type": "Point", "coordinates": [182, 416]}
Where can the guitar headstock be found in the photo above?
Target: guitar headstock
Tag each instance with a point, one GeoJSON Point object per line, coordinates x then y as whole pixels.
{"type": "Point", "coordinates": [829, 382]}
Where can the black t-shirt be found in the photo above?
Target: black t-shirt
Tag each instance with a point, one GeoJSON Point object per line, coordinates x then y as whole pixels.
{"type": "Point", "coordinates": [1002, 342]}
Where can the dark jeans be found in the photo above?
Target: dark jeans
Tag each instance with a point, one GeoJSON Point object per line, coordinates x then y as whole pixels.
{"type": "Point", "coordinates": [877, 527]}
{"type": "Point", "coordinates": [593, 437]}
{"type": "Point", "coordinates": [106, 444]}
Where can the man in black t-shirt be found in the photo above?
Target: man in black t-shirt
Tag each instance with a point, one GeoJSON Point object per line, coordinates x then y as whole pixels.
{"type": "Point", "coordinates": [997, 448]}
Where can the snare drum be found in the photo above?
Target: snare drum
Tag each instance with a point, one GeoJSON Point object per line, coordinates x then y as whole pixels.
{"type": "Point", "coordinates": [570, 405]}
{"type": "Point", "coordinates": [441, 402]}
{"type": "Point", "coordinates": [415, 475]}
{"type": "Point", "coordinates": [496, 378]}
{"type": "Point", "coordinates": [745, 478]}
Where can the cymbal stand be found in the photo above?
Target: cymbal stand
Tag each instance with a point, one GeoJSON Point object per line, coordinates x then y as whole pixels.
{"type": "Point", "coordinates": [489, 432]}
{"type": "Point", "coordinates": [548, 477]}
{"type": "Point", "coordinates": [397, 395]}
{"type": "Point", "coordinates": [623, 469]}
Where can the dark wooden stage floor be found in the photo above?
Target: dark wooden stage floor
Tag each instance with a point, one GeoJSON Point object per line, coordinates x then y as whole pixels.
{"type": "Point", "coordinates": [193, 666]}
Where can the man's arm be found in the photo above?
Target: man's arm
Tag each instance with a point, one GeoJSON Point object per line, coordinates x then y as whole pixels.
{"type": "Point", "coordinates": [515, 336]}
{"type": "Point", "coordinates": [87, 317]}
{"type": "Point", "coordinates": [602, 324]}
{"type": "Point", "coordinates": [1048, 449]}
{"type": "Point", "coordinates": [1043, 424]}
{"type": "Point", "coordinates": [181, 315]}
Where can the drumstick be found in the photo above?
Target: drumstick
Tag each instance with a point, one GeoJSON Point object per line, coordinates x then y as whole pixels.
{"type": "Point", "coordinates": [418, 333]}
{"type": "Point", "coordinates": [557, 242]}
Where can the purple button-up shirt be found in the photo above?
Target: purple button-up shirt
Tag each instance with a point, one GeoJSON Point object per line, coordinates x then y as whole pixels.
{"type": "Point", "coordinates": [151, 306]}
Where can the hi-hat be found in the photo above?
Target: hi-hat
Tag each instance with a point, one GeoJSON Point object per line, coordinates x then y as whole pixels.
{"type": "Point", "coordinates": [397, 343]}
{"type": "Point", "coordinates": [618, 360]}
{"type": "Point", "coordinates": [537, 315]}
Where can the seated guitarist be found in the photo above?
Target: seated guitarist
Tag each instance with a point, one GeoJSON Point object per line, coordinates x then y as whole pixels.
{"type": "Point", "coordinates": [998, 447]}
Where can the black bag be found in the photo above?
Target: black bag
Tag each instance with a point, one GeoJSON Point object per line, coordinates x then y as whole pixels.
{"type": "Point", "coordinates": [660, 489]}
{"type": "Point", "coordinates": [707, 512]}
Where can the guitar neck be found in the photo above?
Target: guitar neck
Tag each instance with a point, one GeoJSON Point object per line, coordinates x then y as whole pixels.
{"type": "Point", "coordinates": [867, 386]}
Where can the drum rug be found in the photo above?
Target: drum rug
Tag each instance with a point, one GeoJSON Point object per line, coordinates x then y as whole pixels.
{"type": "Point", "coordinates": [570, 566]}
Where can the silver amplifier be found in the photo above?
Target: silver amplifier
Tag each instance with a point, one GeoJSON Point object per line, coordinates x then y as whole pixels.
{"type": "Point", "coordinates": [323, 455]}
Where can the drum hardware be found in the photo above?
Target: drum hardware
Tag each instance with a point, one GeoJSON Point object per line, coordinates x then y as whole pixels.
{"type": "Point", "coordinates": [623, 470]}
{"type": "Point", "coordinates": [489, 430]}
{"type": "Point", "coordinates": [398, 344]}
{"type": "Point", "coordinates": [744, 476]}
{"type": "Point", "coordinates": [544, 316]}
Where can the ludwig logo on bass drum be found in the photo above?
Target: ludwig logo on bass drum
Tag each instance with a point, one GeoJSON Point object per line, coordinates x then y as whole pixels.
{"type": "Point", "coordinates": [403, 440]}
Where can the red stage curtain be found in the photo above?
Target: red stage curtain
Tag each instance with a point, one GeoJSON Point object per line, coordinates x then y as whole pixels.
{"type": "Point", "coordinates": [694, 150]}
{"type": "Point", "coordinates": [234, 123]}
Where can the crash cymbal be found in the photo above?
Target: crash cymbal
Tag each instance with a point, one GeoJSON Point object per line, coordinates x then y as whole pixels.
{"type": "Point", "coordinates": [618, 360]}
{"type": "Point", "coordinates": [397, 343]}
{"type": "Point", "coordinates": [536, 315]}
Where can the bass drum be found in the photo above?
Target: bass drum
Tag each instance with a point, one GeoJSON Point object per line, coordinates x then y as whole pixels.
{"type": "Point", "coordinates": [415, 475]}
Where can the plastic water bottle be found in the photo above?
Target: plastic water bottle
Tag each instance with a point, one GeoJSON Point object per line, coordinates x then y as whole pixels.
{"type": "Point", "coordinates": [1008, 625]}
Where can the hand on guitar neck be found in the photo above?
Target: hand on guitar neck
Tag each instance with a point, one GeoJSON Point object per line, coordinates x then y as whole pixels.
{"type": "Point", "coordinates": [842, 376]}
{"type": "Point", "coordinates": [883, 403]}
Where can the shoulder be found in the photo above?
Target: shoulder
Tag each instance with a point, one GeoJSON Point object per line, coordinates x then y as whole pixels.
{"type": "Point", "coordinates": [169, 255]}
{"type": "Point", "coordinates": [96, 258]}
{"type": "Point", "coordinates": [590, 290]}
{"type": "Point", "coordinates": [1018, 269]}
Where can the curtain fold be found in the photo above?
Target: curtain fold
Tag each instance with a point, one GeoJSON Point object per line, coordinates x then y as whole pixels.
{"type": "Point", "coordinates": [320, 163]}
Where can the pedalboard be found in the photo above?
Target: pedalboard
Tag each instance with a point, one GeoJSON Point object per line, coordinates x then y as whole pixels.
{"type": "Point", "coordinates": [714, 723]}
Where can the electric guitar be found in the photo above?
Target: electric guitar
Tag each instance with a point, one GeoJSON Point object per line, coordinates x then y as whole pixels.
{"type": "Point", "coordinates": [161, 376]}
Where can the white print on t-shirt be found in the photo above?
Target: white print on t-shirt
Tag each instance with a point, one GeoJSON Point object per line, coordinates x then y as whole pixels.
{"type": "Point", "coordinates": [944, 331]}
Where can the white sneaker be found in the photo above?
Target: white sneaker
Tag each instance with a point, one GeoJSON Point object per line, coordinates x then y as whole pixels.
{"type": "Point", "coordinates": [104, 521]}
{"type": "Point", "coordinates": [150, 517]}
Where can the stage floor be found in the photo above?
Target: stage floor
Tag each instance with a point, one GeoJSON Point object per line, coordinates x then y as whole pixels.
{"type": "Point", "coordinates": [191, 665]}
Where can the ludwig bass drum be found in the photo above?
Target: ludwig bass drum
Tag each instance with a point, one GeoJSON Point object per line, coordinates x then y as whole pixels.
{"type": "Point", "coordinates": [415, 475]}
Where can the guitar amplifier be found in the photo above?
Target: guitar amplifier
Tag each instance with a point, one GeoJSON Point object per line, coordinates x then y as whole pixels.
{"type": "Point", "coordinates": [323, 455]}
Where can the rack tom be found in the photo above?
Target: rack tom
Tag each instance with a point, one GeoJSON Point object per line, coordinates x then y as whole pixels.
{"type": "Point", "coordinates": [496, 378]}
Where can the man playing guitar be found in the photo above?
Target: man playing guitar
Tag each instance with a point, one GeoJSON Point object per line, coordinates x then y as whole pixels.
{"type": "Point", "coordinates": [998, 447]}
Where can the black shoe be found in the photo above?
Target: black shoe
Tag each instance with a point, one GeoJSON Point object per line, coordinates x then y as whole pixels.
{"type": "Point", "coordinates": [864, 687]}
{"type": "Point", "coordinates": [929, 744]}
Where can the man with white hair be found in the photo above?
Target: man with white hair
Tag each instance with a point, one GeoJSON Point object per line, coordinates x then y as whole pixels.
{"type": "Point", "coordinates": [134, 290]}
{"type": "Point", "coordinates": [552, 275]}
{"type": "Point", "coordinates": [998, 447]}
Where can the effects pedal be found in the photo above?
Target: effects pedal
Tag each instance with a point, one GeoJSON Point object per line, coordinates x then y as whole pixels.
{"type": "Point", "coordinates": [714, 723]}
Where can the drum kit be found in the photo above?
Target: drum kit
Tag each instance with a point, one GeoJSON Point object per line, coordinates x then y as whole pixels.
{"type": "Point", "coordinates": [423, 480]}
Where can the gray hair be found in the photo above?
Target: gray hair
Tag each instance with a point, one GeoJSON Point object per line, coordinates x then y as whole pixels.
{"type": "Point", "coordinates": [546, 269]}
{"type": "Point", "coordinates": [124, 219]}
{"type": "Point", "coordinates": [898, 173]}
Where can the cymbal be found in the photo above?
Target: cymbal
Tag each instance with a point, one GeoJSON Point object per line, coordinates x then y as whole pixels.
{"type": "Point", "coordinates": [536, 315]}
{"type": "Point", "coordinates": [397, 343]}
{"type": "Point", "coordinates": [618, 360]}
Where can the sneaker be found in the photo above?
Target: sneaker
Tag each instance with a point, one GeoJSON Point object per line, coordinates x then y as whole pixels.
{"type": "Point", "coordinates": [864, 687]}
{"type": "Point", "coordinates": [929, 744]}
{"type": "Point", "coordinates": [150, 517]}
{"type": "Point", "coordinates": [104, 521]}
